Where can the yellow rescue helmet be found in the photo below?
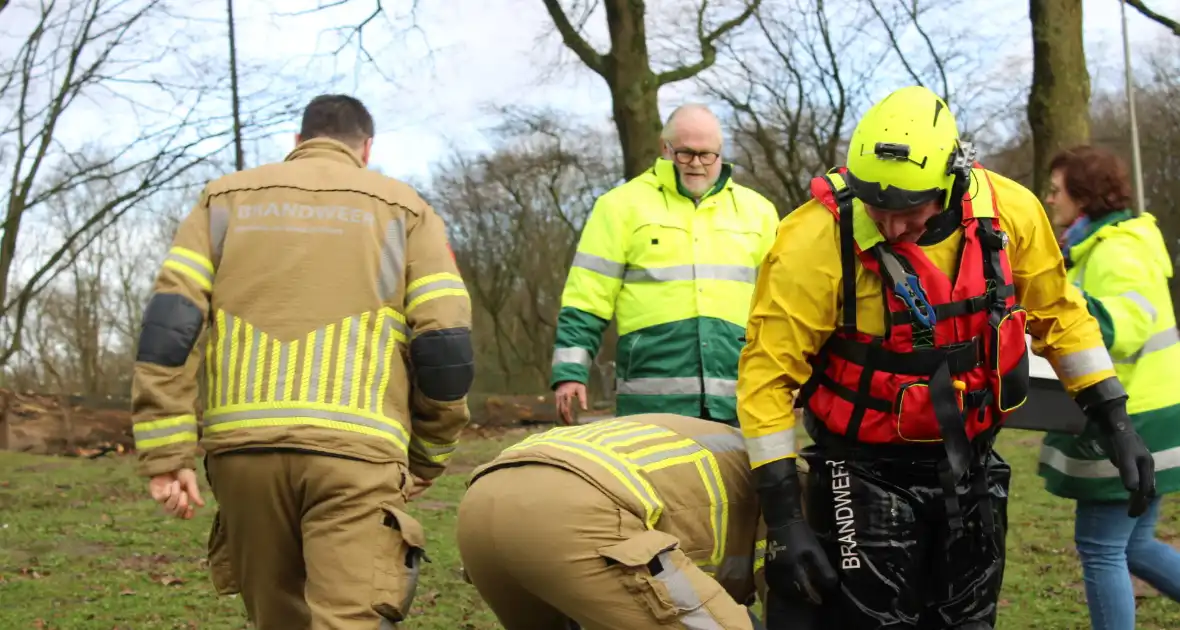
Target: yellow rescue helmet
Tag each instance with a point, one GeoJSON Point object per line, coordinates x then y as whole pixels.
{"type": "Point", "coordinates": [905, 151]}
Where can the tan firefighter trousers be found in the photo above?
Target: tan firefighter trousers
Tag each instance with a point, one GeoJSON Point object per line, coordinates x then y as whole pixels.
{"type": "Point", "coordinates": [543, 546]}
{"type": "Point", "coordinates": [313, 542]}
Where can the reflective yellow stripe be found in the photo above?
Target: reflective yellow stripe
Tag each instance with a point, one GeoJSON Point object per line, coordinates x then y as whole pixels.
{"type": "Point", "coordinates": [336, 366]}
{"type": "Point", "coordinates": [433, 286]}
{"type": "Point", "coordinates": [192, 265]}
{"type": "Point", "coordinates": [165, 431]}
{"type": "Point", "coordinates": [603, 442]}
{"type": "Point", "coordinates": [432, 452]}
{"type": "Point", "coordinates": [306, 413]}
{"type": "Point", "coordinates": [759, 555]}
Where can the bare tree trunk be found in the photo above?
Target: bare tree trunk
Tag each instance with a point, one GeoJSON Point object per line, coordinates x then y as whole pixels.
{"type": "Point", "coordinates": [1059, 101]}
{"type": "Point", "coordinates": [627, 70]}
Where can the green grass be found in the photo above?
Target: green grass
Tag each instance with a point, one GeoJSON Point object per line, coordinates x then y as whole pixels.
{"type": "Point", "coordinates": [81, 546]}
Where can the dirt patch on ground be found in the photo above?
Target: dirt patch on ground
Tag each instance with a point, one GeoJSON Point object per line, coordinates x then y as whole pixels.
{"type": "Point", "coordinates": [63, 425]}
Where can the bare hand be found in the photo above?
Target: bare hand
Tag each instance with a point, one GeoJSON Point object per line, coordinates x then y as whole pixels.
{"type": "Point", "coordinates": [177, 492]}
{"type": "Point", "coordinates": [564, 395]}
{"type": "Point", "coordinates": [418, 486]}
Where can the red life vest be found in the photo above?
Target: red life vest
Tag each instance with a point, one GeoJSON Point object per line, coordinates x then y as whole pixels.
{"type": "Point", "coordinates": [949, 382]}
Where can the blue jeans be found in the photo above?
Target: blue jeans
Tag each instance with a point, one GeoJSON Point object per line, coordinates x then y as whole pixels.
{"type": "Point", "coordinates": [1110, 544]}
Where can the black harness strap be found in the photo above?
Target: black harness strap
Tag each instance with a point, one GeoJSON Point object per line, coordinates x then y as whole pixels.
{"type": "Point", "coordinates": [961, 307]}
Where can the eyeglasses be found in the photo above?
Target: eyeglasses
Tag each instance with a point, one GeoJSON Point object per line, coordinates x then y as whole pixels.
{"type": "Point", "coordinates": [685, 156]}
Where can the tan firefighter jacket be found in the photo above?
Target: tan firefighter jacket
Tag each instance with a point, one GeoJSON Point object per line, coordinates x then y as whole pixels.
{"type": "Point", "coordinates": [334, 315]}
{"type": "Point", "coordinates": [685, 477]}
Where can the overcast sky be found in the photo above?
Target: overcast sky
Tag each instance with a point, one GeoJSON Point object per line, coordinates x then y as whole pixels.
{"type": "Point", "coordinates": [494, 52]}
{"type": "Point", "coordinates": [443, 100]}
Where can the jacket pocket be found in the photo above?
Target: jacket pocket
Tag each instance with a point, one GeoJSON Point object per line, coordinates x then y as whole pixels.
{"type": "Point", "coordinates": [914, 413]}
{"type": "Point", "coordinates": [660, 576]}
{"type": "Point", "coordinates": [1011, 364]}
{"type": "Point", "coordinates": [400, 550]}
{"type": "Point", "coordinates": [220, 566]}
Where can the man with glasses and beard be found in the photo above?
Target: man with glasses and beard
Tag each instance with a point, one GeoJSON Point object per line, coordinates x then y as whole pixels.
{"type": "Point", "coordinates": [672, 255]}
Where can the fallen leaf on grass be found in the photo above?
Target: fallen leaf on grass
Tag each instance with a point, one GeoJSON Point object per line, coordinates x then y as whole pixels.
{"type": "Point", "coordinates": [168, 580]}
{"type": "Point", "coordinates": [126, 591]}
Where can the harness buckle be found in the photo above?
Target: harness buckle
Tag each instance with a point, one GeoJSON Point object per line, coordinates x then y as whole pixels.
{"type": "Point", "coordinates": [910, 291]}
{"type": "Point", "coordinates": [908, 287]}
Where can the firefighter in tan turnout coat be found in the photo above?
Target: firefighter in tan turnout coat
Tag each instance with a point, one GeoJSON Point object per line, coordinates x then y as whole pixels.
{"type": "Point", "coordinates": [337, 365]}
{"type": "Point", "coordinates": [641, 522]}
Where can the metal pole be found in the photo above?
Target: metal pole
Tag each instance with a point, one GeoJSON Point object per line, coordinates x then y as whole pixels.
{"type": "Point", "coordinates": [1136, 158]}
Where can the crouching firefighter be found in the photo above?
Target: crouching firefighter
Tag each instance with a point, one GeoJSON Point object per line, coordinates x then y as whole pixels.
{"type": "Point", "coordinates": [642, 522]}
{"type": "Point", "coordinates": [905, 341]}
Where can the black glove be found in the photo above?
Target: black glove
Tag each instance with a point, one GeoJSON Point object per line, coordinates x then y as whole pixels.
{"type": "Point", "coordinates": [795, 563]}
{"type": "Point", "coordinates": [1105, 404]}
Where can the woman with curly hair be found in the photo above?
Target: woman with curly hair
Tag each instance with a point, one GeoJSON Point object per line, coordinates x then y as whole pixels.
{"type": "Point", "coordinates": [1120, 263]}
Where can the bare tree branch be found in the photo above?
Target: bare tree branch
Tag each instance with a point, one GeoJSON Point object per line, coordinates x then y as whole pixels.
{"type": "Point", "coordinates": [1162, 20]}
{"type": "Point", "coordinates": [574, 40]}
{"type": "Point", "coordinates": [708, 42]}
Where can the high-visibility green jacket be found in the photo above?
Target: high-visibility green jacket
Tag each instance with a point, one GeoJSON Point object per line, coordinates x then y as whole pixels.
{"type": "Point", "coordinates": [678, 276]}
{"type": "Point", "coordinates": [1122, 267]}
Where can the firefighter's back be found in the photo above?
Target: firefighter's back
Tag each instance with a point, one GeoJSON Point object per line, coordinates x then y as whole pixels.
{"type": "Point", "coordinates": [567, 522]}
{"type": "Point", "coordinates": [320, 283]}
{"type": "Point", "coordinates": [307, 304]}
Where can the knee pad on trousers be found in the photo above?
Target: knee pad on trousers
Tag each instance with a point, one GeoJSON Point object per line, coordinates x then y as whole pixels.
{"type": "Point", "coordinates": [974, 625]}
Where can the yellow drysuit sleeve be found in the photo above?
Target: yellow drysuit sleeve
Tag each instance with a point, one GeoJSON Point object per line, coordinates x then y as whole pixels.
{"type": "Point", "coordinates": [438, 312]}
{"type": "Point", "coordinates": [1062, 328]}
{"type": "Point", "coordinates": [793, 312]}
{"type": "Point", "coordinates": [164, 383]}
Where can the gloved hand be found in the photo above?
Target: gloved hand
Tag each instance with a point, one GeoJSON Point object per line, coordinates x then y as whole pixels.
{"type": "Point", "coordinates": [1105, 404]}
{"type": "Point", "coordinates": [796, 565]}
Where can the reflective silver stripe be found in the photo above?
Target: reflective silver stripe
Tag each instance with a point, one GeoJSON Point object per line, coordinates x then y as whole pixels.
{"type": "Point", "coordinates": [188, 263]}
{"type": "Point", "coordinates": [350, 358]}
{"type": "Point", "coordinates": [256, 348]}
{"type": "Point", "coordinates": [722, 442]}
{"type": "Point", "coordinates": [218, 225]}
{"type": "Point", "coordinates": [720, 387]}
{"type": "Point", "coordinates": [1083, 362]}
{"type": "Point", "coordinates": [1101, 468]}
{"type": "Point", "coordinates": [317, 362]}
{"type": "Point", "coordinates": [279, 394]}
{"type": "Point", "coordinates": [226, 379]}
{"type": "Point", "coordinates": [660, 456]}
{"type": "Point", "coordinates": [393, 260]}
{"type": "Point", "coordinates": [1142, 302]}
{"type": "Point", "coordinates": [684, 597]}
{"type": "Point", "coordinates": [436, 453]}
{"type": "Point", "coordinates": [213, 419]}
{"type": "Point", "coordinates": [581, 356]}
{"type": "Point", "coordinates": [1162, 340]}
{"type": "Point", "coordinates": [626, 434]}
{"type": "Point", "coordinates": [660, 386]}
{"type": "Point", "coordinates": [383, 350]}
{"type": "Point", "coordinates": [767, 448]}
{"type": "Point", "coordinates": [736, 273]}
{"type": "Point", "coordinates": [676, 385]}
{"type": "Point", "coordinates": [599, 265]}
{"type": "Point", "coordinates": [163, 428]}
{"type": "Point", "coordinates": [434, 286]}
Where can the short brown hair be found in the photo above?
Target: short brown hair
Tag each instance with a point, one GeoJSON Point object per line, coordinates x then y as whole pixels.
{"type": "Point", "coordinates": [337, 116]}
{"type": "Point", "coordinates": [1095, 178]}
